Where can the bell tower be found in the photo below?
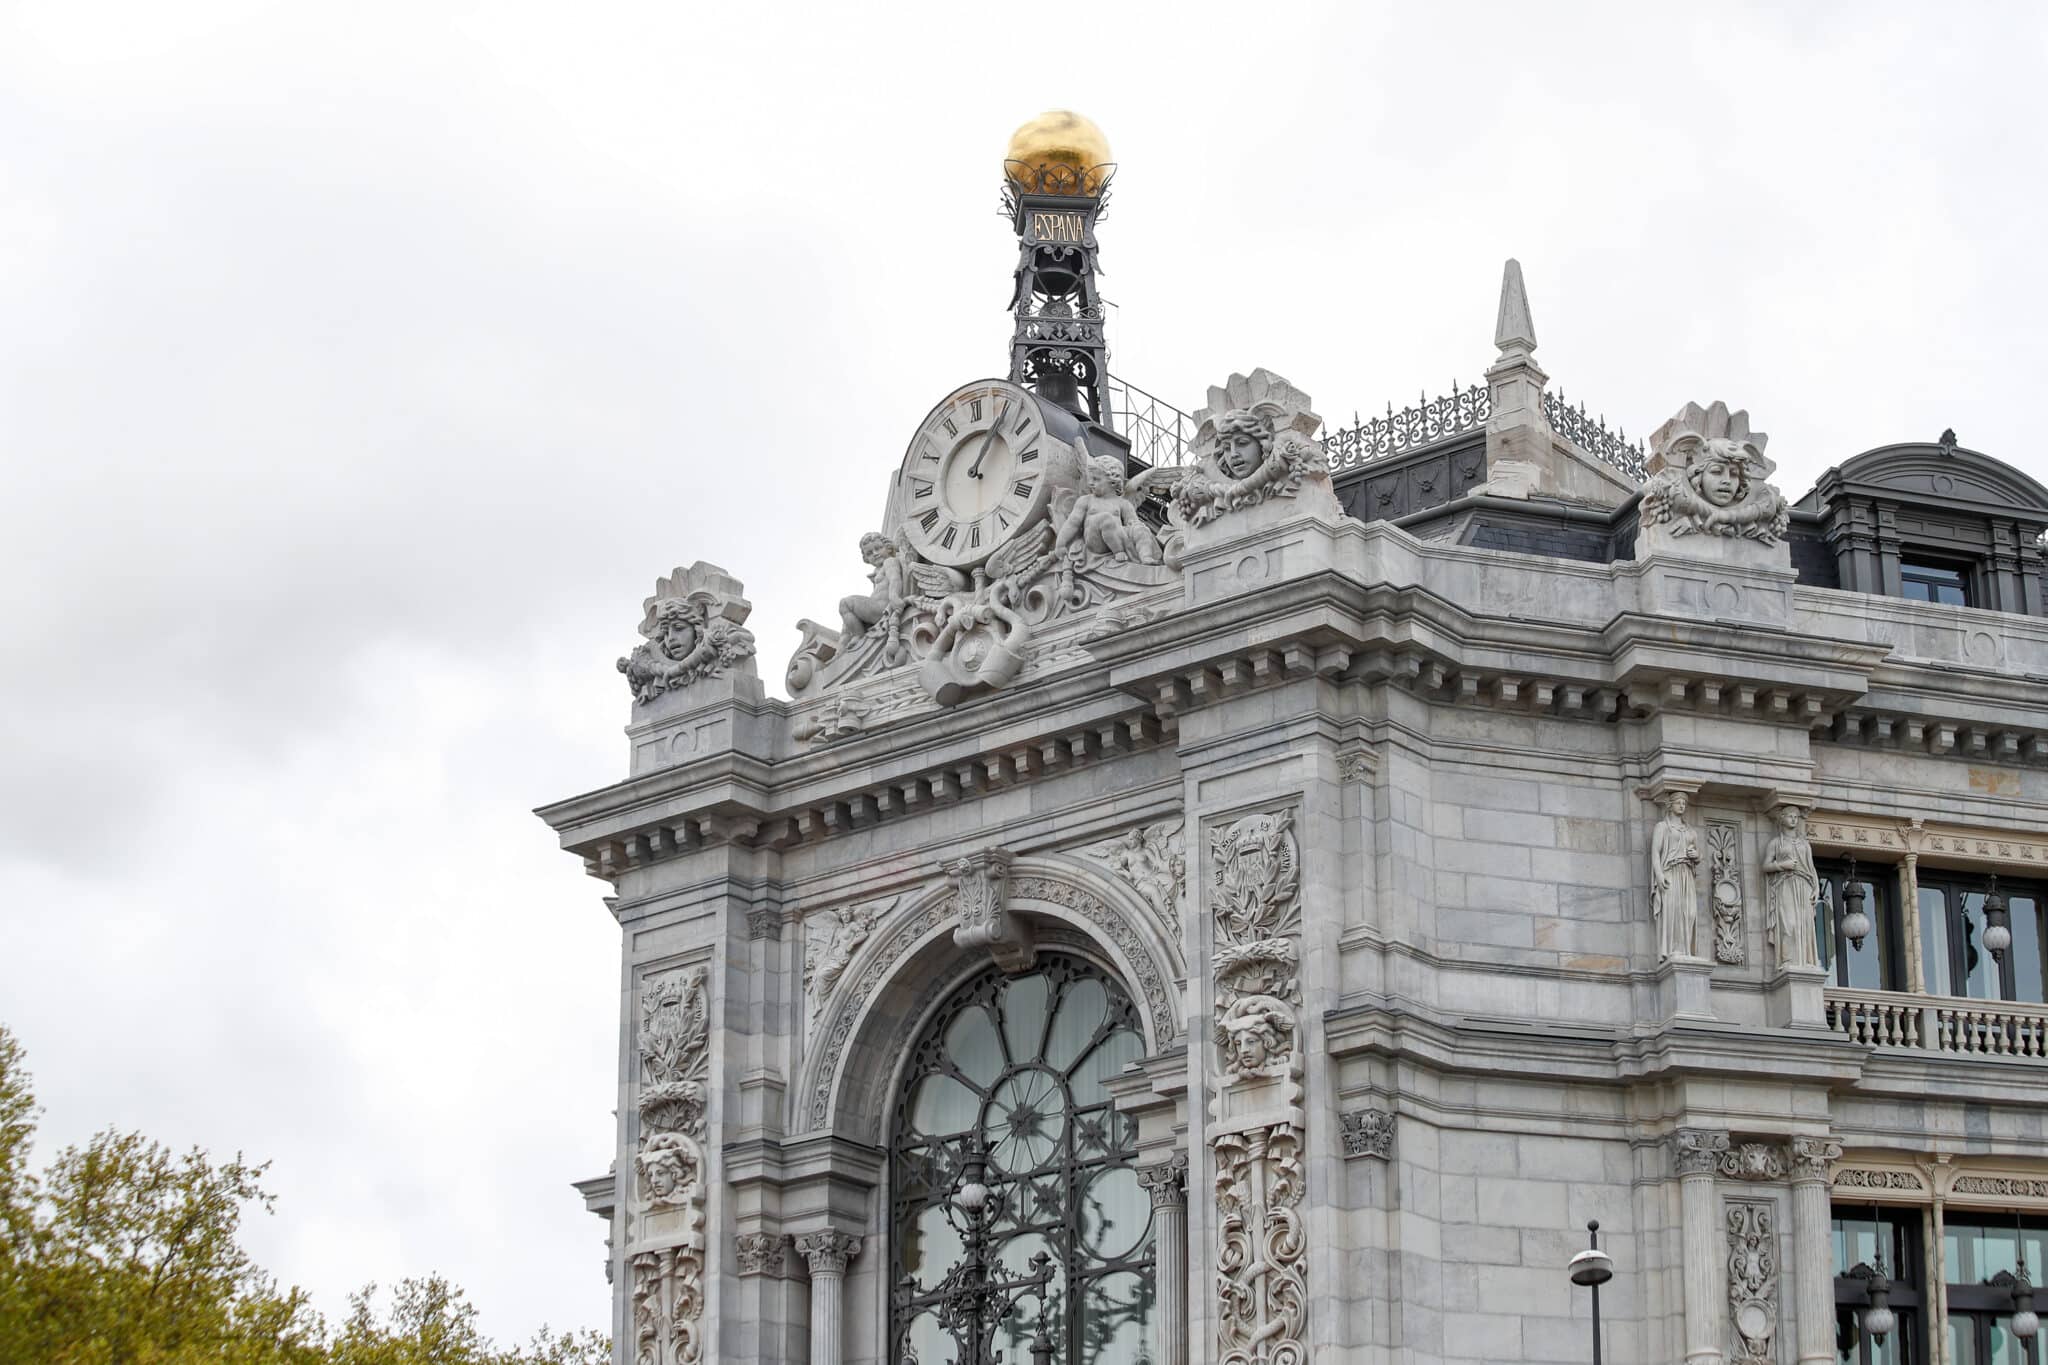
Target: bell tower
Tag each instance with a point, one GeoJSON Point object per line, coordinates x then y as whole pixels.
{"type": "Point", "coordinates": [1055, 186]}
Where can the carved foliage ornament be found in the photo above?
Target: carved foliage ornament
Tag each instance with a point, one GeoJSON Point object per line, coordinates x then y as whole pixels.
{"type": "Point", "coordinates": [1752, 1279]}
{"type": "Point", "coordinates": [1254, 875]}
{"type": "Point", "coordinates": [981, 883]}
{"type": "Point", "coordinates": [693, 630]}
{"type": "Point", "coordinates": [675, 1060]}
{"type": "Point", "coordinates": [1709, 476]}
{"type": "Point", "coordinates": [761, 1253]}
{"type": "Point", "coordinates": [1368, 1132]}
{"type": "Point", "coordinates": [1724, 876]}
{"type": "Point", "coordinates": [1698, 1151]}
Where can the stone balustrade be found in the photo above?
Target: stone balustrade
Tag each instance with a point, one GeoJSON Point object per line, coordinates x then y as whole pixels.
{"type": "Point", "coordinates": [1964, 1027]}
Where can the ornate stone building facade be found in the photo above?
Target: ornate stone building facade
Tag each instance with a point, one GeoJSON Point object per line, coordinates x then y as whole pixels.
{"type": "Point", "coordinates": [1239, 892]}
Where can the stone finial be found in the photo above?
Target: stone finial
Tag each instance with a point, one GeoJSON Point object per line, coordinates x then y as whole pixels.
{"type": "Point", "coordinates": [1708, 476]}
{"type": "Point", "coordinates": [1253, 446]}
{"type": "Point", "coordinates": [1514, 332]}
{"type": "Point", "coordinates": [693, 627]}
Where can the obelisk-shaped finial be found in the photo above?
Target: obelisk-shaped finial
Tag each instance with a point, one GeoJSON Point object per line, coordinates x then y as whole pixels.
{"type": "Point", "coordinates": [1514, 332]}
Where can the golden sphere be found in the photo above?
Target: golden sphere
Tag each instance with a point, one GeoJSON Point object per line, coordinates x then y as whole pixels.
{"type": "Point", "coordinates": [1059, 152]}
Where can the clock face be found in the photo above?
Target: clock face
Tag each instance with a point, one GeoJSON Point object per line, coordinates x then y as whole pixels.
{"type": "Point", "coordinates": [976, 473]}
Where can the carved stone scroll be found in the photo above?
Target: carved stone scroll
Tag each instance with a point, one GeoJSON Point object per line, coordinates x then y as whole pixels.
{"type": "Point", "coordinates": [1254, 876]}
{"type": "Point", "coordinates": [981, 881]}
{"type": "Point", "coordinates": [1752, 1279]}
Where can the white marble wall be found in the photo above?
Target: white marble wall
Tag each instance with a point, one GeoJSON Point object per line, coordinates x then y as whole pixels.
{"type": "Point", "coordinates": [1467, 738]}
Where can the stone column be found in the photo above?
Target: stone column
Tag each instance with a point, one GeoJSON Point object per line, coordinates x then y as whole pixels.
{"type": "Point", "coordinates": [1813, 1250]}
{"type": "Point", "coordinates": [1168, 1182]}
{"type": "Point", "coordinates": [1697, 1154]}
{"type": "Point", "coordinates": [827, 1254]}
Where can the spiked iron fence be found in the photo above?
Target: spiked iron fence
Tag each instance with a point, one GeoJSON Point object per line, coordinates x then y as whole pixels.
{"type": "Point", "coordinates": [1161, 434]}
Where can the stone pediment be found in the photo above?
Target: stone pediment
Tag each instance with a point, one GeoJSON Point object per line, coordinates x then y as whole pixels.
{"type": "Point", "coordinates": [1920, 470]}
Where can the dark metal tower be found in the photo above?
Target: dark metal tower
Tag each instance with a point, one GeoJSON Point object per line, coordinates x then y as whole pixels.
{"type": "Point", "coordinates": [1058, 350]}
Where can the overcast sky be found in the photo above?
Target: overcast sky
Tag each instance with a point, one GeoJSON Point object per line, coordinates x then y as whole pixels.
{"type": "Point", "coordinates": [362, 366]}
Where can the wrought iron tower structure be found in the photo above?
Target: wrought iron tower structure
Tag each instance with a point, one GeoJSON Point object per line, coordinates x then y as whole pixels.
{"type": "Point", "coordinates": [1058, 349]}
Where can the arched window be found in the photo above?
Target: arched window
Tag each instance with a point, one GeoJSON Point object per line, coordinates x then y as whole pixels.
{"type": "Point", "coordinates": [1004, 1094]}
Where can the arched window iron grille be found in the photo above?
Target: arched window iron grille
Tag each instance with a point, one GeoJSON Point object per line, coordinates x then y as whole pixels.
{"type": "Point", "coordinates": [1004, 1091]}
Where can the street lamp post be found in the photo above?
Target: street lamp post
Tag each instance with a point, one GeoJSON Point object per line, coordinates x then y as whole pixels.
{"type": "Point", "coordinates": [1593, 1268]}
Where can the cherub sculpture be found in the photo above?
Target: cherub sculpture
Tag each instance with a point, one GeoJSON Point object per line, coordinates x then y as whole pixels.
{"type": "Point", "coordinates": [885, 572]}
{"type": "Point", "coordinates": [1708, 475]}
{"type": "Point", "coordinates": [1102, 521]}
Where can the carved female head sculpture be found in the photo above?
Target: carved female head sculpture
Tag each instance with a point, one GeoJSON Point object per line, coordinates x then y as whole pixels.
{"type": "Point", "coordinates": [1719, 472]}
{"type": "Point", "coordinates": [1244, 437]}
{"type": "Point", "coordinates": [678, 621]}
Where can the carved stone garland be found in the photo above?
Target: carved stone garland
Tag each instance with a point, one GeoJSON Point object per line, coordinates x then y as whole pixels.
{"type": "Point", "coordinates": [1752, 1278]}
{"type": "Point", "coordinates": [1254, 868]}
{"type": "Point", "coordinates": [668, 1279]}
{"type": "Point", "coordinates": [692, 626]}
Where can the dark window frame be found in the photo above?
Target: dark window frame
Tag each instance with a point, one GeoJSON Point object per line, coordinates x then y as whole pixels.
{"type": "Point", "coordinates": [1982, 1305]}
{"type": "Point", "coordinates": [1932, 571]}
{"type": "Point", "coordinates": [1887, 924]}
{"type": "Point", "coordinates": [1907, 1342]}
{"type": "Point", "coordinates": [1955, 886]}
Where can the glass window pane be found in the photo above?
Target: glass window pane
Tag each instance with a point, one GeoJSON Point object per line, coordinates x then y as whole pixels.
{"type": "Point", "coordinates": [1024, 1002]}
{"type": "Point", "coordinates": [1962, 1340]}
{"type": "Point", "coordinates": [2026, 948]}
{"type": "Point", "coordinates": [1082, 1008]}
{"type": "Point", "coordinates": [971, 1042]}
{"type": "Point", "coordinates": [1980, 970]}
{"type": "Point", "coordinates": [1934, 961]}
{"type": "Point", "coordinates": [1865, 961]}
{"type": "Point", "coordinates": [1119, 1320]}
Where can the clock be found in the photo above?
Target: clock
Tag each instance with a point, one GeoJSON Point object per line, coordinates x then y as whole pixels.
{"type": "Point", "coordinates": [980, 469]}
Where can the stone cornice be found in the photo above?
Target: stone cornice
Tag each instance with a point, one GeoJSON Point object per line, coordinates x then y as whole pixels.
{"type": "Point", "coordinates": [1576, 1052]}
{"type": "Point", "coordinates": [1328, 622]}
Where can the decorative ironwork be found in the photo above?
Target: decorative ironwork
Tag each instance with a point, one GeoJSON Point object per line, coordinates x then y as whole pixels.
{"type": "Point", "coordinates": [1015, 1200]}
{"type": "Point", "coordinates": [1591, 435]}
{"type": "Point", "coordinates": [1430, 420]}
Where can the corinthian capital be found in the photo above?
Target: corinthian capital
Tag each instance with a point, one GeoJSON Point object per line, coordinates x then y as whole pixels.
{"type": "Point", "coordinates": [1697, 1151]}
{"type": "Point", "coordinates": [1811, 1157]}
{"type": "Point", "coordinates": [1167, 1181]}
{"type": "Point", "coordinates": [828, 1252]}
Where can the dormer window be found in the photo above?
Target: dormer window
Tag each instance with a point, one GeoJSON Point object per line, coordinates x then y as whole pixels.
{"type": "Point", "coordinates": [1932, 580]}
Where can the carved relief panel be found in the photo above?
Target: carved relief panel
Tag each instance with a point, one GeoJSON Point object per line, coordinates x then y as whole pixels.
{"type": "Point", "coordinates": [1253, 870]}
{"type": "Point", "coordinates": [669, 1166]}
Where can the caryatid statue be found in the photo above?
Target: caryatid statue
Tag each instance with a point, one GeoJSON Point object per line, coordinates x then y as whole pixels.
{"type": "Point", "coordinates": [1792, 887]}
{"type": "Point", "coordinates": [1675, 880]}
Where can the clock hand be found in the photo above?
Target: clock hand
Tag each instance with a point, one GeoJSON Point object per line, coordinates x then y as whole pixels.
{"type": "Point", "coordinates": [974, 470]}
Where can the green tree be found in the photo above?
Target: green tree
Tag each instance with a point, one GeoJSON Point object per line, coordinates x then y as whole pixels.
{"type": "Point", "coordinates": [125, 1253]}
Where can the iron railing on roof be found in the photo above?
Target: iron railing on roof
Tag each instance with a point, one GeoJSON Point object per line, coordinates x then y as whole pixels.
{"type": "Point", "coordinates": [1591, 435]}
{"type": "Point", "coordinates": [1161, 434]}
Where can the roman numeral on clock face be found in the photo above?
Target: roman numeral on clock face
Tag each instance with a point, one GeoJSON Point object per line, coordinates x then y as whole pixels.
{"type": "Point", "coordinates": [929, 519]}
{"type": "Point", "coordinates": [1028, 456]}
{"type": "Point", "coordinates": [951, 430]}
{"type": "Point", "coordinates": [1023, 420]}
{"type": "Point", "coordinates": [1022, 488]}
{"type": "Point", "coordinates": [952, 534]}
{"type": "Point", "coordinates": [977, 410]}
{"type": "Point", "coordinates": [974, 536]}
{"type": "Point", "coordinates": [920, 488]}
